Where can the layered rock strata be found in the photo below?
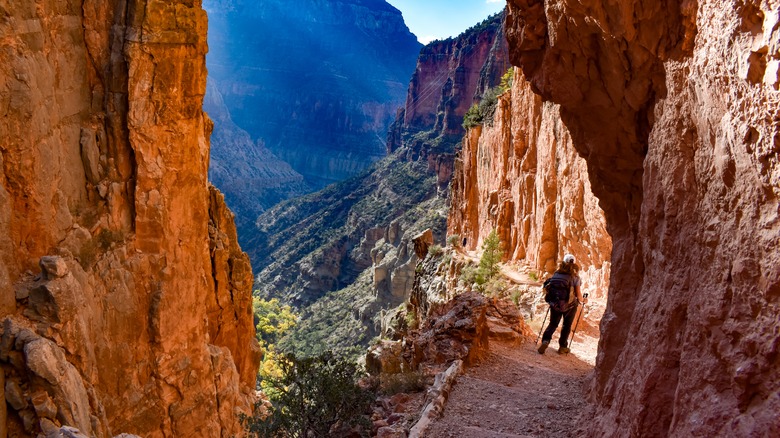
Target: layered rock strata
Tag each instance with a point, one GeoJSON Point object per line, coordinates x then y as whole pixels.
{"type": "Point", "coordinates": [251, 177]}
{"type": "Point", "coordinates": [450, 76]}
{"type": "Point", "coordinates": [675, 108]}
{"type": "Point", "coordinates": [318, 81]}
{"type": "Point", "coordinates": [351, 243]}
{"type": "Point", "coordinates": [126, 301]}
{"type": "Point", "coordinates": [522, 177]}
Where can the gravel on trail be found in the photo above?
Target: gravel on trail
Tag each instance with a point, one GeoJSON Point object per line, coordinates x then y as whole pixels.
{"type": "Point", "coordinates": [517, 392]}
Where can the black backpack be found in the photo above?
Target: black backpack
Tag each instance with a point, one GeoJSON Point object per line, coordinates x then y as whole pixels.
{"type": "Point", "coordinates": [558, 288]}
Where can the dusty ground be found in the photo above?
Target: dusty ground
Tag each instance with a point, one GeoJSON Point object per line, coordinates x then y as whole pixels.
{"type": "Point", "coordinates": [517, 392]}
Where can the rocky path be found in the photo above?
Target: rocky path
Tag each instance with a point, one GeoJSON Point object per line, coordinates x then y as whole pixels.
{"type": "Point", "coordinates": [516, 392]}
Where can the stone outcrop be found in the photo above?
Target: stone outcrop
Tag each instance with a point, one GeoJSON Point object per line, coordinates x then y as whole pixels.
{"type": "Point", "coordinates": [126, 301]}
{"type": "Point", "coordinates": [456, 330]}
{"type": "Point", "coordinates": [318, 81]}
{"type": "Point", "coordinates": [674, 106]}
{"type": "Point", "coordinates": [451, 75]}
{"type": "Point", "coordinates": [522, 177]}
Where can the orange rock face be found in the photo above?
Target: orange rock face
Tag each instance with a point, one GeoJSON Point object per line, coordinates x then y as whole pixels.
{"type": "Point", "coordinates": [523, 177]}
{"type": "Point", "coordinates": [675, 108]}
{"type": "Point", "coordinates": [140, 320]}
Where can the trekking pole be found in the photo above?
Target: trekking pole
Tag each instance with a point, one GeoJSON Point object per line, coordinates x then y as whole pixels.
{"type": "Point", "coordinates": [578, 321]}
{"type": "Point", "coordinates": [542, 328]}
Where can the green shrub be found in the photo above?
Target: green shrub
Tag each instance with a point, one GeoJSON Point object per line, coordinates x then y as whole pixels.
{"type": "Point", "coordinates": [454, 240]}
{"type": "Point", "coordinates": [492, 254]}
{"type": "Point", "coordinates": [468, 276]}
{"type": "Point", "coordinates": [484, 278]}
{"type": "Point", "coordinates": [516, 297]}
{"type": "Point", "coordinates": [506, 80]}
{"type": "Point", "coordinates": [533, 275]}
{"type": "Point", "coordinates": [484, 111]}
{"type": "Point", "coordinates": [318, 396]}
{"type": "Point", "coordinates": [494, 287]}
{"type": "Point", "coordinates": [472, 117]}
{"type": "Point", "coordinates": [435, 251]}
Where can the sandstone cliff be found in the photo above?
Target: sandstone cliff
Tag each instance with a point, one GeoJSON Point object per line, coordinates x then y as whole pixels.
{"type": "Point", "coordinates": [521, 176]}
{"type": "Point", "coordinates": [319, 81]}
{"type": "Point", "coordinates": [451, 74]}
{"type": "Point", "coordinates": [345, 254]}
{"type": "Point", "coordinates": [675, 107]}
{"type": "Point", "coordinates": [126, 301]}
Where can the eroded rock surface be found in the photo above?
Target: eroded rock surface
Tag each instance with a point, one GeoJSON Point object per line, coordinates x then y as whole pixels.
{"type": "Point", "coordinates": [522, 177]}
{"type": "Point", "coordinates": [126, 301]}
{"type": "Point", "coordinates": [675, 108]}
{"type": "Point", "coordinates": [251, 177]}
{"type": "Point", "coordinates": [317, 81]}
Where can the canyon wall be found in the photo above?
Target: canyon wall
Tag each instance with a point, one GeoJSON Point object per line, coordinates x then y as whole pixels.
{"type": "Point", "coordinates": [318, 81]}
{"type": "Point", "coordinates": [521, 176]}
{"type": "Point", "coordinates": [250, 176]}
{"type": "Point", "coordinates": [675, 108]}
{"type": "Point", "coordinates": [345, 254]}
{"type": "Point", "coordinates": [451, 74]}
{"type": "Point", "coordinates": [126, 301]}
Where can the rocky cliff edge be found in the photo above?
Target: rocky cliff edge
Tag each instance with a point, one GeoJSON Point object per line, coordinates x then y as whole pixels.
{"type": "Point", "coordinates": [675, 107]}
{"type": "Point", "coordinates": [126, 303]}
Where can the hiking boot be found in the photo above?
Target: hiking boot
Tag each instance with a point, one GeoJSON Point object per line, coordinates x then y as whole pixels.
{"type": "Point", "coordinates": [563, 350]}
{"type": "Point", "coordinates": [543, 347]}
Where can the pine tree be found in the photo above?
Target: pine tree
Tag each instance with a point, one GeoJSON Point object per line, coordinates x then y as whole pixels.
{"type": "Point", "coordinates": [492, 254]}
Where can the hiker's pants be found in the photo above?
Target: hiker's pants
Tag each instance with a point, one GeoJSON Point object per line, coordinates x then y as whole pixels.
{"type": "Point", "coordinates": [555, 319]}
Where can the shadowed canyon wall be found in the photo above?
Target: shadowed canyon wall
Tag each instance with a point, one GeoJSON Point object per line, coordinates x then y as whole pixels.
{"type": "Point", "coordinates": [318, 81]}
{"type": "Point", "coordinates": [521, 176]}
{"type": "Point", "coordinates": [250, 176]}
{"type": "Point", "coordinates": [674, 106]}
{"type": "Point", "coordinates": [126, 301]}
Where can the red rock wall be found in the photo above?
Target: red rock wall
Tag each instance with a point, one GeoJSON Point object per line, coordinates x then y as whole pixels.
{"type": "Point", "coordinates": [104, 157]}
{"type": "Point", "coordinates": [452, 74]}
{"type": "Point", "coordinates": [523, 177]}
{"type": "Point", "coordinates": [674, 105]}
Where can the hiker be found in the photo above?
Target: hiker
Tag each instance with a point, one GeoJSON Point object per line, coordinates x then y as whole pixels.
{"type": "Point", "coordinates": [563, 303]}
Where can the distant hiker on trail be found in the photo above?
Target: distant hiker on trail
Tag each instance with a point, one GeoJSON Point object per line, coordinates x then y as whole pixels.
{"type": "Point", "coordinates": [563, 303]}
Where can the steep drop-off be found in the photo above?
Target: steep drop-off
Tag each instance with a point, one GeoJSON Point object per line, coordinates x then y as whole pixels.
{"type": "Point", "coordinates": [318, 81]}
{"type": "Point", "coordinates": [451, 75]}
{"type": "Point", "coordinates": [126, 301]}
{"type": "Point", "coordinates": [251, 177]}
{"type": "Point", "coordinates": [521, 176]}
{"type": "Point", "coordinates": [675, 107]}
{"type": "Point", "coordinates": [349, 247]}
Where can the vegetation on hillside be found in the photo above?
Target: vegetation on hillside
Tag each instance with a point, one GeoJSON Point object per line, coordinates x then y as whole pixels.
{"type": "Point", "coordinates": [483, 112]}
{"type": "Point", "coordinates": [329, 323]}
{"type": "Point", "coordinates": [485, 276]}
{"type": "Point", "coordinates": [274, 320]}
{"type": "Point", "coordinates": [316, 396]}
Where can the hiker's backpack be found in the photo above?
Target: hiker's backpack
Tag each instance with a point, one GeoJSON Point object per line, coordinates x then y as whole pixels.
{"type": "Point", "coordinates": [558, 292]}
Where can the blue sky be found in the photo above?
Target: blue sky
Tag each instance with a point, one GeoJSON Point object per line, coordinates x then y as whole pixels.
{"type": "Point", "coordinates": [439, 19]}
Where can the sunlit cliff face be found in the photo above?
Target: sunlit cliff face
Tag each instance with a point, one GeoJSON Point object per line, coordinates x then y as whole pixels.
{"type": "Point", "coordinates": [675, 109]}
{"type": "Point", "coordinates": [125, 298]}
{"type": "Point", "coordinates": [522, 177]}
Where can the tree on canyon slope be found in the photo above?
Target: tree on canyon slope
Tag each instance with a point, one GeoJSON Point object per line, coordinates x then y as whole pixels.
{"type": "Point", "coordinates": [492, 254]}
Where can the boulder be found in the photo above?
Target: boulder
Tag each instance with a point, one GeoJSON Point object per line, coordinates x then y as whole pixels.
{"type": "Point", "coordinates": [384, 358]}
{"type": "Point", "coordinates": [53, 267]}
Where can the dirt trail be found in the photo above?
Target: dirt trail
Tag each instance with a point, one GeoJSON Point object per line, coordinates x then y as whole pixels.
{"type": "Point", "coordinates": [516, 392]}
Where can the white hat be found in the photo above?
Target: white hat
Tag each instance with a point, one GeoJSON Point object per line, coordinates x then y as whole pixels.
{"type": "Point", "coordinates": [568, 258]}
